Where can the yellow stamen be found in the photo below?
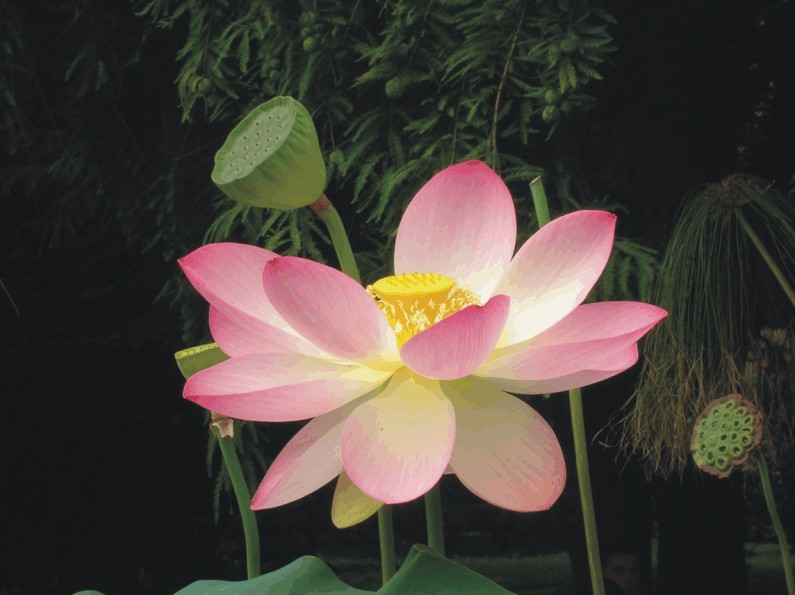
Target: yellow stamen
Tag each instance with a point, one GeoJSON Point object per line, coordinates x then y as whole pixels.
{"type": "Point", "coordinates": [412, 302]}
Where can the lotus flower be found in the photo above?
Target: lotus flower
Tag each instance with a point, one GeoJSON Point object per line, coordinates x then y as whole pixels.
{"type": "Point", "coordinates": [406, 379]}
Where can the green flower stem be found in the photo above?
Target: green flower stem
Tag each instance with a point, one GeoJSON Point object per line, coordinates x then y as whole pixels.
{"type": "Point", "coordinates": [578, 431]}
{"type": "Point", "coordinates": [433, 518]}
{"type": "Point", "coordinates": [774, 268]}
{"type": "Point", "coordinates": [764, 477]}
{"type": "Point", "coordinates": [386, 534]}
{"type": "Point", "coordinates": [342, 246]}
{"type": "Point", "coordinates": [250, 530]}
{"type": "Point", "coordinates": [586, 498]}
{"type": "Point", "coordinates": [329, 215]}
{"type": "Point", "coordinates": [540, 201]}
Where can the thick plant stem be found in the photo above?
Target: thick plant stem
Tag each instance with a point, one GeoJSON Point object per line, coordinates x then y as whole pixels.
{"type": "Point", "coordinates": [331, 218]}
{"type": "Point", "coordinates": [342, 246]}
{"type": "Point", "coordinates": [433, 518]}
{"type": "Point", "coordinates": [243, 496]}
{"type": "Point", "coordinates": [771, 263]}
{"type": "Point", "coordinates": [586, 498]}
{"type": "Point", "coordinates": [578, 431]}
{"type": "Point", "coordinates": [767, 489]}
{"type": "Point", "coordinates": [386, 536]}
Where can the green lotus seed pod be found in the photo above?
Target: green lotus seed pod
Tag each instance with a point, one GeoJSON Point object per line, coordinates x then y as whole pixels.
{"type": "Point", "coordinates": [272, 158]}
{"type": "Point", "coordinates": [725, 434]}
{"type": "Point", "coordinates": [310, 44]}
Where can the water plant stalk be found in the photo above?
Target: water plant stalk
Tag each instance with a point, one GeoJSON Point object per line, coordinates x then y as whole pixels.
{"type": "Point", "coordinates": [767, 489]}
{"type": "Point", "coordinates": [578, 432]}
{"type": "Point", "coordinates": [433, 518]}
{"type": "Point", "coordinates": [386, 536]}
{"type": "Point", "coordinates": [540, 201]}
{"type": "Point", "coordinates": [342, 246]}
{"type": "Point", "coordinates": [243, 496]}
{"type": "Point", "coordinates": [766, 256]}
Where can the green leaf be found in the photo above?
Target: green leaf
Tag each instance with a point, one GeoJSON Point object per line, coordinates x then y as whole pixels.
{"type": "Point", "coordinates": [424, 572]}
{"type": "Point", "coordinates": [427, 572]}
{"type": "Point", "coordinates": [305, 575]}
{"type": "Point", "coordinates": [196, 359]}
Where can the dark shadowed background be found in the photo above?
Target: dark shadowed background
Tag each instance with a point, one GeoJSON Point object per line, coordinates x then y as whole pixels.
{"type": "Point", "coordinates": [105, 483]}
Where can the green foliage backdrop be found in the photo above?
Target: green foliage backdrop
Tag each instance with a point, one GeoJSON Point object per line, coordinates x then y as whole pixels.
{"type": "Point", "coordinates": [398, 90]}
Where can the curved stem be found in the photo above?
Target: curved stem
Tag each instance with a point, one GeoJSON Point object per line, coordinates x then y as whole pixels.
{"type": "Point", "coordinates": [433, 518]}
{"type": "Point", "coordinates": [243, 496]}
{"type": "Point", "coordinates": [767, 489]}
{"type": "Point", "coordinates": [500, 88]}
{"type": "Point", "coordinates": [386, 535]}
{"type": "Point", "coordinates": [342, 246]}
{"type": "Point", "coordinates": [578, 432]}
{"type": "Point", "coordinates": [771, 263]}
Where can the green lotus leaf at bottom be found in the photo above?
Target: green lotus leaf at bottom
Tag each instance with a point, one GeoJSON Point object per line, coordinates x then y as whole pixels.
{"type": "Point", "coordinates": [425, 572]}
{"type": "Point", "coordinates": [307, 574]}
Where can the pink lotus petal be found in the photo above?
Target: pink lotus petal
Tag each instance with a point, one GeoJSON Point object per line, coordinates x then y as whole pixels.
{"type": "Point", "coordinates": [459, 344]}
{"type": "Point", "coordinates": [600, 320]}
{"type": "Point", "coordinates": [229, 276]}
{"type": "Point", "coordinates": [328, 308]}
{"type": "Point", "coordinates": [236, 337]}
{"type": "Point", "coordinates": [582, 341]}
{"type": "Point", "coordinates": [308, 462]}
{"type": "Point", "coordinates": [614, 363]}
{"type": "Point", "coordinates": [279, 387]}
{"type": "Point", "coordinates": [504, 451]}
{"type": "Point", "coordinates": [554, 271]}
{"type": "Point", "coordinates": [396, 446]}
{"type": "Point", "coordinates": [461, 224]}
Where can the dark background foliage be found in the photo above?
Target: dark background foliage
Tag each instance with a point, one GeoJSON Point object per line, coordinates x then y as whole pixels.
{"type": "Point", "coordinates": [110, 113]}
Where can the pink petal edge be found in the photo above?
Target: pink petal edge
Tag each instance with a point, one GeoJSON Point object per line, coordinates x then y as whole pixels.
{"type": "Point", "coordinates": [554, 270]}
{"type": "Point", "coordinates": [328, 308]}
{"type": "Point", "coordinates": [309, 461]}
{"type": "Point", "coordinates": [615, 363]}
{"type": "Point", "coordinates": [581, 341]}
{"type": "Point", "coordinates": [396, 446]}
{"type": "Point", "coordinates": [443, 231]}
{"type": "Point", "coordinates": [279, 387]}
{"type": "Point", "coordinates": [238, 337]}
{"type": "Point", "coordinates": [229, 277]}
{"type": "Point", "coordinates": [505, 452]}
{"type": "Point", "coordinates": [459, 344]}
